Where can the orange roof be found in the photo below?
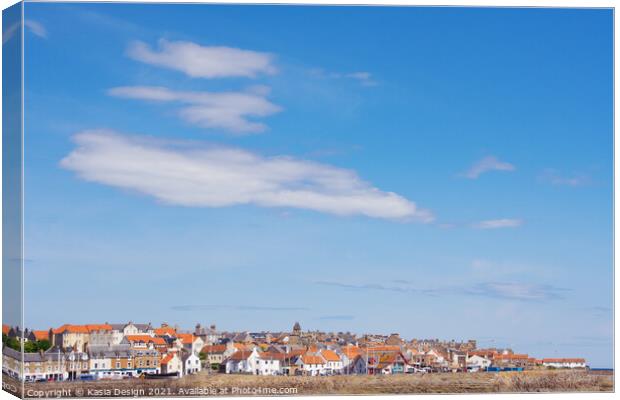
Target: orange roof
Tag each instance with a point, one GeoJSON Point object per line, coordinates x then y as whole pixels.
{"type": "Point", "coordinates": [383, 348]}
{"type": "Point", "coordinates": [483, 353]}
{"type": "Point", "coordinates": [41, 335]}
{"type": "Point", "coordinates": [186, 338]}
{"type": "Point", "coordinates": [240, 355]}
{"type": "Point", "coordinates": [240, 346]}
{"type": "Point", "coordinates": [351, 351]}
{"type": "Point", "coordinates": [563, 360]}
{"type": "Point", "coordinates": [71, 329]}
{"type": "Point", "coordinates": [145, 339]}
{"type": "Point", "coordinates": [5, 329]}
{"type": "Point", "coordinates": [313, 349]}
{"type": "Point", "coordinates": [311, 359]}
{"type": "Point", "coordinates": [99, 327]}
{"type": "Point", "coordinates": [329, 355]}
{"type": "Point", "coordinates": [511, 357]}
{"type": "Point", "coordinates": [272, 356]}
{"type": "Point", "coordinates": [165, 330]}
{"type": "Point", "coordinates": [217, 348]}
{"type": "Point", "coordinates": [167, 358]}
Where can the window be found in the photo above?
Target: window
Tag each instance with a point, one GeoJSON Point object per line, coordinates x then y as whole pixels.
{"type": "Point", "coordinates": [128, 364]}
{"type": "Point", "coordinates": [118, 364]}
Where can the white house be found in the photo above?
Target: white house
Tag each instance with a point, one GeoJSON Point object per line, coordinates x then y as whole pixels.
{"type": "Point", "coordinates": [191, 362]}
{"type": "Point", "coordinates": [269, 364]}
{"type": "Point", "coordinates": [243, 361]}
{"type": "Point", "coordinates": [334, 364]}
{"type": "Point", "coordinates": [477, 363]}
{"type": "Point", "coordinates": [172, 364]}
{"type": "Point", "coordinates": [312, 364]}
{"type": "Point", "coordinates": [564, 362]}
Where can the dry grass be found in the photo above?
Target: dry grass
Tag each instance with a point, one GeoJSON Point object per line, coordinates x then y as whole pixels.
{"type": "Point", "coordinates": [505, 382]}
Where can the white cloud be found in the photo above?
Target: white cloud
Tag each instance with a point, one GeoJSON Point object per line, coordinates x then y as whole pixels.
{"type": "Point", "coordinates": [516, 291]}
{"type": "Point", "coordinates": [552, 176]}
{"type": "Point", "coordinates": [33, 26]}
{"type": "Point", "coordinates": [227, 110]}
{"type": "Point", "coordinates": [363, 77]}
{"type": "Point", "coordinates": [486, 164]}
{"type": "Point", "coordinates": [196, 175]}
{"type": "Point", "coordinates": [498, 223]}
{"type": "Point", "coordinates": [203, 61]}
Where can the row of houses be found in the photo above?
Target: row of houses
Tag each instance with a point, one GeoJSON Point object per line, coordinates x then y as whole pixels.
{"type": "Point", "coordinates": [114, 351]}
{"type": "Point", "coordinates": [378, 360]}
{"type": "Point", "coordinates": [104, 351]}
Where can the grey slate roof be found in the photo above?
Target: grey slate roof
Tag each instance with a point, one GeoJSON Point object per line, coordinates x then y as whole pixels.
{"type": "Point", "coordinates": [49, 355]}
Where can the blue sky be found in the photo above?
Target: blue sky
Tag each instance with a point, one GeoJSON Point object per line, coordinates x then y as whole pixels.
{"type": "Point", "coordinates": [435, 172]}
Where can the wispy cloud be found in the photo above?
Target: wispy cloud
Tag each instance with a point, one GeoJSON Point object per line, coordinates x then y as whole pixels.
{"type": "Point", "coordinates": [212, 307]}
{"type": "Point", "coordinates": [226, 110]}
{"type": "Point", "coordinates": [553, 177]}
{"type": "Point", "coordinates": [377, 286]}
{"type": "Point", "coordinates": [516, 291]}
{"type": "Point", "coordinates": [364, 78]}
{"type": "Point", "coordinates": [489, 163]}
{"type": "Point", "coordinates": [502, 290]}
{"type": "Point", "coordinates": [498, 223]}
{"type": "Point", "coordinates": [34, 27]}
{"type": "Point", "coordinates": [197, 175]}
{"type": "Point", "coordinates": [199, 61]}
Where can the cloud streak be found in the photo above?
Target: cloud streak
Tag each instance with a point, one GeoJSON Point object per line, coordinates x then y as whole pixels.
{"type": "Point", "coordinates": [499, 290]}
{"type": "Point", "coordinates": [516, 291]}
{"type": "Point", "coordinates": [197, 175]}
{"type": "Point", "coordinates": [490, 163]}
{"type": "Point", "coordinates": [199, 61]}
{"type": "Point", "coordinates": [498, 223]}
{"type": "Point", "coordinates": [212, 307]}
{"type": "Point", "coordinates": [226, 110]}
{"type": "Point", "coordinates": [364, 78]}
{"type": "Point", "coordinates": [34, 27]}
{"type": "Point", "coordinates": [553, 177]}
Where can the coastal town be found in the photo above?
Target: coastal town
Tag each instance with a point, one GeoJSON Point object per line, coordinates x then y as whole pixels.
{"type": "Point", "coordinates": [133, 350]}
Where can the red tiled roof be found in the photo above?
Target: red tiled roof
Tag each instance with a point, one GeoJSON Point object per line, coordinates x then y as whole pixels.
{"type": "Point", "coordinates": [563, 360]}
{"type": "Point", "coordinates": [312, 359]}
{"type": "Point", "coordinates": [99, 327]}
{"type": "Point", "coordinates": [146, 339]}
{"type": "Point", "coordinates": [167, 358]}
{"type": "Point", "coordinates": [165, 330]}
{"type": "Point", "coordinates": [186, 338]}
{"type": "Point", "coordinates": [5, 329]}
{"type": "Point", "coordinates": [41, 335]}
{"type": "Point", "coordinates": [216, 348]}
{"type": "Point", "coordinates": [71, 329]}
{"type": "Point", "coordinates": [383, 348]}
{"type": "Point", "coordinates": [351, 351]}
{"type": "Point", "coordinates": [511, 357]}
{"type": "Point", "coordinates": [330, 355]}
{"type": "Point", "coordinates": [241, 355]}
{"type": "Point", "coordinates": [483, 353]}
{"type": "Point", "coordinates": [272, 356]}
